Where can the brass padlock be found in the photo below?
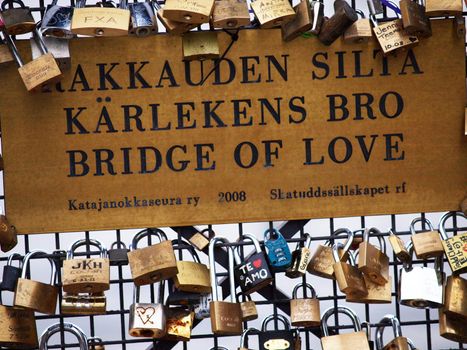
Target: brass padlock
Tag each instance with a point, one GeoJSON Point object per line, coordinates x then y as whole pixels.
{"type": "Point", "coordinates": [334, 27]}
{"type": "Point", "coordinates": [35, 295]}
{"type": "Point", "coordinates": [304, 312]}
{"type": "Point", "coordinates": [360, 31]}
{"type": "Point", "coordinates": [91, 275]}
{"type": "Point", "coordinates": [301, 257]}
{"type": "Point", "coordinates": [173, 27]}
{"type": "Point", "coordinates": [154, 263]}
{"type": "Point", "coordinates": [200, 240]}
{"type": "Point", "coordinates": [17, 20]}
{"type": "Point", "coordinates": [228, 14]}
{"type": "Point", "coordinates": [399, 342]}
{"type": "Point", "coordinates": [349, 278]}
{"type": "Point", "coordinates": [302, 22]}
{"type": "Point", "coordinates": [455, 297]}
{"type": "Point", "coordinates": [179, 323]}
{"type": "Point", "coordinates": [272, 13]}
{"type": "Point", "coordinates": [84, 304]}
{"type": "Point", "coordinates": [438, 8]}
{"type": "Point", "coordinates": [62, 328]}
{"type": "Point", "coordinates": [399, 248]}
{"type": "Point", "coordinates": [452, 328]}
{"type": "Point", "coordinates": [355, 340]}
{"type": "Point", "coordinates": [244, 338]}
{"type": "Point", "coordinates": [248, 307]}
{"type": "Point", "coordinates": [200, 45]}
{"type": "Point", "coordinates": [414, 19]}
{"type": "Point", "coordinates": [5, 57]}
{"type": "Point", "coordinates": [8, 237]}
{"type": "Point", "coordinates": [374, 262]}
{"type": "Point", "coordinates": [455, 247]}
{"type": "Point", "coordinates": [95, 343]}
{"type": "Point", "coordinates": [189, 11]}
{"type": "Point", "coordinates": [426, 244]}
{"type": "Point", "coordinates": [226, 317]}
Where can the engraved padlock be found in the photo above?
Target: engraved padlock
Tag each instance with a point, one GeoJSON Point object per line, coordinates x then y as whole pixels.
{"type": "Point", "coordinates": [244, 338]}
{"type": "Point", "coordinates": [8, 237]}
{"type": "Point", "coordinates": [179, 322]}
{"type": "Point", "coordinates": [398, 247]}
{"type": "Point", "coordinates": [302, 22]}
{"type": "Point", "coordinates": [65, 327]}
{"type": "Point", "coordinates": [229, 14]}
{"type": "Point", "coordinates": [334, 27]}
{"type": "Point", "coordinates": [58, 47]}
{"type": "Point", "coordinates": [304, 312]}
{"type": "Point", "coordinates": [173, 27]}
{"type": "Point", "coordinates": [360, 31]}
{"type": "Point", "coordinates": [426, 244]}
{"type": "Point", "coordinates": [283, 339]}
{"type": "Point", "coordinates": [84, 304]}
{"type": "Point", "coordinates": [300, 259]}
{"type": "Point", "coordinates": [414, 19]}
{"type": "Point", "coordinates": [118, 254]}
{"type": "Point", "coordinates": [189, 11]}
{"type": "Point", "coordinates": [17, 20]}
{"type": "Point", "coordinates": [373, 262]}
{"type": "Point", "coordinates": [455, 301]}
{"type": "Point", "coordinates": [11, 273]}
{"type": "Point", "coordinates": [277, 250]}
{"type": "Point", "coordinates": [143, 19]}
{"type": "Point", "coordinates": [200, 45]}
{"type": "Point", "coordinates": [349, 278]}
{"type": "Point", "coordinates": [398, 342]}
{"type": "Point", "coordinates": [57, 21]}
{"type": "Point", "coordinates": [200, 240]}
{"type": "Point", "coordinates": [455, 247]}
{"type": "Point", "coordinates": [248, 307]}
{"type": "Point", "coordinates": [272, 13]}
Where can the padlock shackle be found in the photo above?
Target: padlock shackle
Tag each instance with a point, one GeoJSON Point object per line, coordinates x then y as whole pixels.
{"type": "Point", "coordinates": [366, 237]}
{"type": "Point", "coordinates": [11, 2]}
{"type": "Point", "coordinates": [159, 295]}
{"type": "Point", "coordinates": [386, 321]}
{"type": "Point", "coordinates": [244, 336]}
{"type": "Point", "coordinates": [307, 243]}
{"type": "Point", "coordinates": [420, 219]}
{"type": "Point", "coordinates": [156, 5]}
{"type": "Point", "coordinates": [341, 231]}
{"type": "Point", "coordinates": [279, 317]}
{"type": "Point", "coordinates": [409, 247]}
{"type": "Point", "coordinates": [93, 341]}
{"type": "Point", "coordinates": [246, 297]}
{"type": "Point", "coordinates": [14, 50]}
{"type": "Point", "coordinates": [411, 344]}
{"type": "Point", "coordinates": [367, 326]}
{"type": "Point", "coordinates": [119, 245]}
{"type": "Point", "coordinates": [32, 253]}
{"type": "Point", "coordinates": [303, 285]}
{"type": "Point", "coordinates": [444, 218]}
{"type": "Point", "coordinates": [335, 254]}
{"type": "Point", "coordinates": [145, 233]}
{"type": "Point", "coordinates": [246, 237]}
{"type": "Point", "coordinates": [67, 327]}
{"type": "Point", "coordinates": [212, 268]}
{"type": "Point", "coordinates": [267, 233]}
{"type": "Point", "coordinates": [189, 247]}
{"type": "Point", "coordinates": [82, 242]}
{"type": "Point", "coordinates": [342, 310]}
{"type": "Point", "coordinates": [12, 256]}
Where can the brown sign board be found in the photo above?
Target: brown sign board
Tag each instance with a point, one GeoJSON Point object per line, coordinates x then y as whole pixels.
{"type": "Point", "coordinates": [131, 138]}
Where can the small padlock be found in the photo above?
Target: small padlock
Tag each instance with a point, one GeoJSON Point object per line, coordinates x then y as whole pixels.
{"type": "Point", "coordinates": [200, 241]}
{"type": "Point", "coordinates": [178, 297]}
{"type": "Point", "coordinates": [17, 20]}
{"type": "Point", "coordinates": [301, 257]}
{"type": "Point", "coordinates": [455, 301]}
{"type": "Point", "coordinates": [373, 262]}
{"type": "Point", "coordinates": [277, 250]}
{"type": "Point", "coordinates": [452, 328]}
{"type": "Point", "coordinates": [229, 14]}
{"type": "Point", "coordinates": [58, 47]}
{"type": "Point", "coordinates": [173, 27]}
{"type": "Point", "coordinates": [248, 307]}
{"type": "Point", "coordinates": [277, 339]}
{"type": "Point", "coordinates": [84, 304]}
{"type": "Point", "coordinates": [118, 254]}
{"type": "Point", "coordinates": [334, 27]}
{"type": "Point", "coordinates": [399, 248]}
{"type": "Point", "coordinates": [35, 295]}
{"type": "Point", "coordinates": [244, 338]}
{"type": "Point", "coordinates": [179, 323]}
{"type": "Point", "coordinates": [57, 21]}
{"type": "Point", "coordinates": [91, 275]}
{"type": "Point", "coordinates": [5, 57]}
{"type": "Point", "coordinates": [200, 45]}
{"type": "Point", "coordinates": [95, 343]}
{"type": "Point", "coordinates": [426, 244]}
{"type": "Point", "coordinates": [442, 8]}
{"type": "Point", "coordinates": [360, 31]}
{"type": "Point", "coordinates": [304, 312]}
{"type": "Point", "coordinates": [203, 309]}
{"type": "Point", "coordinates": [61, 328]}
{"type": "Point", "coordinates": [143, 19]}
{"type": "Point", "coordinates": [356, 340]}
{"type": "Point", "coordinates": [8, 237]}
{"type": "Point", "coordinates": [454, 247]}
{"type": "Point", "coordinates": [399, 342]}
{"type": "Point", "coordinates": [11, 273]}
{"type": "Point", "coordinates": [414, 19]}
{"type": "Point", "coordinates": [367, 327]}
{"type": "Point", "coordinates": [302, 22]}
{"type": "Point", "coordinates": [226, 317]}
{"type": "Point", "coordinates": [189, 11]}
{"type": "Point", "coordinates": [272, 13]}
{"type": "Point", "coordinates": [154, 263]}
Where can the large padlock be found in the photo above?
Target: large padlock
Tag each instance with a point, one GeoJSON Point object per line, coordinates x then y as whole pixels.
{"type": "Point", "coordinates": [36, 295]}
{"type": "Point", "coordinates": [452, 328]}
{"type": "Point", "coordinates": [179, 322]}
{"type": "Point", "coordinates": [226, 317]}
{"type": "Point", "coordinates": [283, 339]}
{"type": "Point", "coordinates": [302, 22]}
{"type": "Point", "coordinates": [398, 247]}
{"type": "Point", "coordinates": [148, 320]}
{"type": "Point", "coordinates": [192, 276]}
{"type": "Point", "coordinates": [455, 302]}
{"type": "Point", "coordinates": [301, 257]}
{"type": "Point", "coordinates": [17, 20]}
{"type": "Point", "coordinates": [277, 250]}
{"type": "Point", "coordinates": [229, 14]}
{"type": "Point", "coordinates": [398, 342]}
{"type": "Point", "coordinates": [304, 312]}
{"type": "Point", "coordinates": [84, 304]}
{"type": "Point", "coordinates": [272, 13]}
{"type": "Point", "coordinates": [60, 328]}
{"type": "Point", "coordinates": [414, 19]}
{"type": "Point", "coordinates": [354, 340]}
{"type": "Point", "coordinates": [455, 247]}
{"type": "Point", "coordinates": [322, 261]}
{"type": "Point", "coordinates": [252, 273]}
{"type": "Point", "coordinates": [173, 27]}
{"type": "Point", "coordinates": [349, 278]}
{"type": "Point", "coordinates": [8, 237]}
{"type": "Point", "coordinates": [95, 343]}
{"type": "Point", "coordinates": [244, 338]}
{"type": "Point", "coordinates": [189, 11]}
{"type": "Point", "coordinates": [143, 20]}
{"type": "Point", "coordinates": [334, 27]}
{"type": "Point", "coordinates": [360, 31]}
{"type": "Point", "coordinates": [200, 45]}
{"type": "Point", "coordinates": [100, 21]}
{"type": "Point", "coordinates": [118, 254]}
{"type": "Point", "coordinates": [91, 275]}
{"type": "Point", "coordinates": [248, 307]}
{"type": "Point", "coordinates": [5, 57]}
{"type": "Point", "coordinates": [58, 47]}
{"type": "Point", "coordinates": [373, 262]}
{"type": "Point", "coordinates": [57, 21]}
{"type": "Point", "coordinates": [441, 8]}
{"type": "Point", "coordinates": [426, 244]}
{"type": "Point", "coordinates": [11, 273]}
{"type": "Point", "coordinates": [154, 263]}
{"type": "Point", "coordinates": [200, 240]}
{"type": "Point", "coordinates": [367, 327]}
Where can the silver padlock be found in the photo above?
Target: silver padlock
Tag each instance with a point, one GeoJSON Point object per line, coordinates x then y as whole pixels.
{"type": "Point", "coordinates": [67, 327]}
{"type": "Point", "coordinates": [203, 310]}
{"type": "Point", "coordinates": [421, 287]}
{"type": "Point", "coordinates": [58, 47]}
{"type": "Point", "coordinates": [317, 14]}
{"type": "Point", "coordinates": [142, 18]}
{"type": "Point", "coordinates": [57, 21]}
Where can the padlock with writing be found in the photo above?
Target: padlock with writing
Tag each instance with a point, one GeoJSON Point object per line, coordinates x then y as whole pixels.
{"type": "Point", "coordinates": [154, 263]}
{"type": "Point", "coordinates": [63, 328]}
{"type": "Point", "coordinates": [200, 45]}
{"type": "Point", "coordinates": [399, 248]}
{"type": "Point", "coordinates": [283, 339]}
{"type": "Point", "coordinates": [143, 19]}
{"type": "Point", "coordinates": [5, 57]}
{"type": "Point", "coordinates": [360, 31]}
{"type": "Point", "coordinates": [17, 20]}
{"type": "Point", "coordinates": [248, 307]}
{"type": "Point", "coordinates": [455, 303]}
{"type": "Point", "coordinates": [398, 342]}
{"type": "Point", "coordinates": [304, 312]}
{"type": "Point", "coordinates": [366, 325]}
{"type": "Point", "coordinates": [302, 22]}
{"type": "Point", "coordinates": [354, 340]}
{"type": "Point", "coordinates": [349, 278]}
{"type": "Point", "coordinates": [198, 11]}
{"type": "Point", "coordinates": [8, 237]}
{"type": "Point", "coordinates": [277, 250]}
{"type": "Point", "coordinates": [455, 247]}
{"type": "Point", "coordinates": [226, 317]}
{"type": "Point", "coordinates": [438, 8]}
{"type": "Point", "coordinates": [84, 304]}
{"type": "Point", "coordinates": [179, 322]}
{"type": "Point", "coordinates": [426, 244]}
{"type": "Point", "coordinates": [252, 273]}
{"type": "Point", "coordinates": [91, 275]}
{"type": "Point", "coordinates": [244, 338]}
{"type": "Point", "coordinates": [373, 262]}
{"type": "Point", "coordinates": [57, 21]}
{"type": "Point", "coordinates": [414, 19]}
{"type": "Point", "coordinates": [200, 240]}
{"type": "Point", "coordinates": [272, 13]}
{"type": "Point", "coordinates": [229, 14]}
{"type": "Point", "coordinates": [334, 27]}
{"type": "Point", "coordinates": [118, 254]}
{"type": "Point", "coordinates": [174, 28]}
{"type": "Point", "coordinates": [300, 259]}
{"type": "Point", "coordinates": [59, 48]}
{"type": "Point", "coordinates": [452, 328]}
{"type": "Point", "coordinates": [11, 273]}
{"type": "Point", "coordinates": [36, 295]}
{"type": "Point", "coordinates": [95, 343]}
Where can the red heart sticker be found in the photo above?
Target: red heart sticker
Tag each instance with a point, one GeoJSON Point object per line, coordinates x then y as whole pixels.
{"type": "Point", "coordinates": [257, 263]}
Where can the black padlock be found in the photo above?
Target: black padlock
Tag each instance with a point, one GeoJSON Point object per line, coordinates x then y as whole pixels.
{"type": "Point", "coordinates": [276, 339]}
{"type": "Point", "coordinates": [118, 256]}
{"type": "Point", "coordinates": [11, 273]}
{"type": "Point", "coordinates": [178, 297]}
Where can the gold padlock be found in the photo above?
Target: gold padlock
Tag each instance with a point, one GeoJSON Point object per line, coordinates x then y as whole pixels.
{"type": "Point", "coordinates": [17, 328]}
{"type": "Point", "coordinates": [360, 31]}
{"type": "Point", "coordinates": [189, 11]}
{"type": "Point", "coordinates": [84, 304]}
{"type": "Point", "coordinates": [438, 8]}
{"type": "Point", "coordinates": [452, 328]}
{"type": "Point", "coordinates": [200, 240]}
{"type": "Point", "coordinates": [426, 244]}
{"type": "Point", "coordinates": [304, 312]}
{"type": "Point", "coordinates": [399, 248]}
{"type": "Point", "coordinates": [154, 263]}
{"type": "Point", "coordinates": [248, 307]}
{"type": "Point", "coordinates": [200, 45]}
{"type": "Point", "coordinates": [179, 323]}
{"type": "Point", "coordinates": [455, 247]}
{"type": "Point", "coordinates": [8, 237]}
{"type": "Point", "coordinates": [302, 22]}
{"type": "Point", "coordinates": [228, 14]}
{"type": "Point", "coordinates": [172, 27]}
{"type": "Point", "coordinates": [455, 297]}
{"type": "Point", "coordinates": [300, 259]}
{"type": "Point", "coordinates": [374, 262]}
{"type": "Point", "coordinates": [272, 13]}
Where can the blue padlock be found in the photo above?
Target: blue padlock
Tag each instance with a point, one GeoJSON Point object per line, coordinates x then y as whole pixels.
{"type": "Point", "coordinates": [277, 250]}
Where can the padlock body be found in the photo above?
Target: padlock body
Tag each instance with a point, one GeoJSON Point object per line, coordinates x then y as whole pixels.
{"type": "Point", "coordinates": [335, 26]}
{"type": "Point", "coordinates": [276, 340]}
{"type": "Point", "coordinates": [17, 328]}
{"type": "Point", "coordinates": [420, 287]}
{"type": "Point", "coordinates": [188, 11]}
{"type": "Point", "coordinates": [8, 237]}
{"type": "Point", "coordinates": [100, 21]}
{"type": "Point", "coordinates": [350, 280]}
{"type": "Point", "coordinates": [278, 252]}
{"type": "Point", "coordinates": [455, 249]}
{"type": "Point", "coordinates": [84, 304]}
{"type": "Point", "coordinates": [153, 264]}
{"type": "Point", "coordinates": [357, 340]}
{"type": "Point", "coordinates": [414, 20]}
{"type": "Point", "coordinates": [57, 22]}
{"type": "Point", "coordinates": [399, 249]}
{"type": "Point", "coordinates": [249, 311]}
{"type": "Point", "coordinates": [41, 71]}
{"type": "Point", "coordinates": [373, 263]}
{"type": "Point", "coordinates": [452, 328]}
{"type": "Point", "coordinates": [427, 245]}
{"type": "Point", "coordinates": [300, 260]}
{"type": "Point", "coordinates": [18, 21]}
{"type": "Point", "coordinates": [377, 294]}
{"type": "Point", "coordinates": [36, 296]}
{"type": "Point", "coordinates": [147, 320]}
{"type": "Point", "coordinates": [253, 274]}
{"type": "Point", "coordinates": [272, 13]}
{"type": "Point", "coordinates": [455, 303]}
{"type": "Point", "coordinates": [175, 28]}
{"type": "Point", "coordinates": [305, 312]}
{"type": "Point", "coordinates": [11, 274]}
{"type": "Point", "coordinates": [5, 57]}
{"type": "Point", "coordinates": [230, 14]}
{"type": "Point", "coordinates": [192, 277]}
{"type": "Point", "coordinates": [391, 36]}
{"type": "Point", "coordinates": [359, 32]}
{"type": "Point", "coordinates": [322, 262]}
{"type": "Point", "coordinates": [86, 275]}
{"type": "Point", "coordinates": [200, 46]}
{"type": "Point", "coordinates": [118, 257]}
{"type": "Point", "coordinates": [399, 343]}
{"type": "Point", "coordinates": [199, 241]}
{"type": "Point", "coordinates": [435, 8]}
{"type": "Point", "coordinates": [142, 19]}
{"type": "Point", "coordinates": [302, 22]}
{"type": "Point", "coordinates": [226, 318]}
{"type": "Point", "coordinates": [179, 324]}
{"type": "Point", "coordinates": [58, 48]}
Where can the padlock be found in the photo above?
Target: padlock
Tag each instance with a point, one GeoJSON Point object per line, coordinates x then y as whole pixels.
{"type": "Point", "coordinates": [62, 328]}
{"type": "Point", "coordinates": [192, 276]}
{"type": "Point", "coordinates": [57, 21]}
{"type": "Point", "coordinates": [8, 237]}
{"type": "Point", "coordinates": [17, 20]}
{"type": "Point", "coordinates": [302, 22]}
{"type": "Point", "coordinates": [367, 326]}
{"type": "Point", "coordinates": [317, 14]}
{"type": "Point", "coordinates": [399, 342]}
{"type": "Point", "coordinates": [437, 8]}
{"type": "Point", "coordinates": [244, 338]}
{"type": "Point", "coordinates": [91, 275]}
{"type": "Point", "coordinates": [84, 304]}
{"type": "Point", "coordinates": [356, 340]}
{"type": "Point", "coordinates": [143, 19]}
{"type": "Point", "coordinates": [174, 28]}
{"type": "Point", "coordinates": [203, 309]}
{"type": "Point", "coordinates": [179, 297]}
{"type": "Point", "coordinates": [426, 244]}
{"type": "Point", "coordinates": [301, 257]}
{"type": "Point", "coordinates": [414, 19]}
{"type": "Point", "coordinates": [179, 323]}
{"type": "Point", "coordinates": [349, 278]}
{"type": "Point", "coordinates": [360, 31]}
{"type": "Point", "coordinates": [421, 287]}
{"type": "Point", "coordinates": [334, 27]}
{"type": "Point", "coordinates": [455, 247]}
{"type": "Point", "coordinates": [35, 295]}
{"type": "Point", "coordinates": [277, 250]}
{"type": "Point", "coordinates": [17, 328]}
{"type": "Point", "coordinates": [226, 317]}
{"type": "Point", "coordinates": [398, 247]}
{"type": "Point", "coordinates": [5, 57]}
{"type": "Point", "coordinates": [455, 302]}
{"type": "Point", "coordinates": [248, 307]}
{"type": "Point", "coordinates": [59, 48]}
{"type": "Point", "coordinates": [188, 11]}
{"type": "Point", "coordinates": [272, 13]}
{"type": "Point", "coordinates": [304, 312]}
{"type": "Point", "coordinates": [200, 241]}
{"type": "Point", "coordinates": [148, 320]}
{"type": "Point", "coordinates": [100, 21]}
{"type": "Point", "coordinates": [39, 72]}
{"type": "Point", "coordinates": [452, 328]}
{"type": "Point", "coordinates": [277, 339]}
{"type": "Point", "coordinates": [230, 14]}
{"type": "Point", "coordinates": [200, 45]}
{"type": "Point", "coordinates": [373, 262]}
{"type": "Point", "coordinates": [95, 343]}
{"type": "Point", "coordinates": [252, 273]}
{"type": "Point", "coordinates": [118, 254]}
{"type": "Point", "coordinates": [11, 274]}
{"type": "Point", "coordinates": [154, 263]}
